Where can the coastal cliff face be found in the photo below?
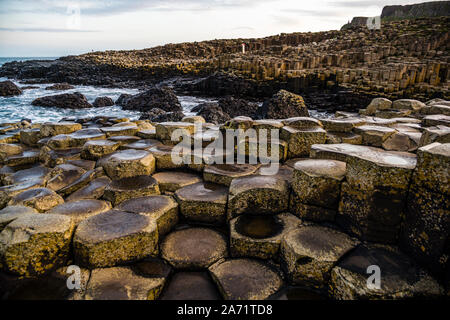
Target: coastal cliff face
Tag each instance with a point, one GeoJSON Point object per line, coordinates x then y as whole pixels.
{"type": "Point", "coordinates": [426, 9]}
{"type": "Point", "coordinates": [404, 59]}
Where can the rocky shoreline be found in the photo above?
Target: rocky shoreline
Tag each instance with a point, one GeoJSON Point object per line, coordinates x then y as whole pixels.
{"type": "Point", "coordinates": [107, 195]}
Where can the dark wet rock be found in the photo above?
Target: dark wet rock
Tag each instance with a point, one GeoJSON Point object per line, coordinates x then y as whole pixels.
{"type": "Point", "coordinates": [163, 98]}
{"type": "Point", "coordinates": [60, 86]}
{"type": "Point", "coordinates": [283, 105]}
{"type": "Point", "coordinates": [169, 117]}
{"type": "Point", "coordinates": [211, 112]}
{"type": "Point", "coordinates": [103, 102]}
{"type": "Point", "coordinates": [238, 107]}
{"type": "Point", "coordinates": [9, 89]}
{"type": "Point", "coordinates": [122, 100]}
{"type": "Point", "coordinates": [66, 100]}
{"type": "Point", "coordinates": [153, 113]}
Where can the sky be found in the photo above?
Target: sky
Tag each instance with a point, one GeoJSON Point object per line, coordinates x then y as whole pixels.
{"type": "Point", "coordinates": [53, 28]}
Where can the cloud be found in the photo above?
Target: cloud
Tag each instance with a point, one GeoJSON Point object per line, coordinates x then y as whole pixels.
{"type": "Point", "coordinates": [44, 30]}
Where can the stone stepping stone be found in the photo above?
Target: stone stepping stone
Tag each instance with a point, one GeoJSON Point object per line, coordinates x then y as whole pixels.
{"type": "Point", "coordinates": [84, 179]}
{"type": "Point", "coordinates": [268, 125]}
{"type": "Point", "coordinates": [164, 159]}
{"type": "Point", "coordinates": [254, 150]}
{"type": "Point", "coordinates": [50, 129]}
{"type": "Point", "coordinates": [171, 181]}
{"type": "Point", "coordinates": [120, 130]}
{"type": "Point", "coordinates": [310, 252]}
{"type": "Point", "coordinates": [21, 176]}
{"type": "Point", "coordinates": [7, 149]}
{"type": "Point", "coordinates": [81, 210]}
{"type": "Point", "coordinates": [24, 158]}
{"type": "Point", "coordinates": [11, 213]}
{"type": "Point", "coordinates": [94, 190]}
{"type": "Point", "coordinates": [191, 286]}
{"type": "Point", "coordinates": [343, 137]}
{"type": "Point", "coordinates": [193, 119]}
{"type": "Point", "coordinates": [342, 125]}
{"type": "Point", "coordinates": [63, 175]}
{"type": "Point", "coordinates": [193, 248]}
{"type": "Point", "coordinates": [245, 279]}
{"type": "Point", "coordinates": [122, 283]}
{"type": "Point", "coordinates": [147, 133]}
{"type": "Point", "coordinates": [114, 237]}
{"type": "Point", "coordinates": [257, 194]}
{"type": "Point", "coordinates": [96, 149]}
{"type": "Point", "coordinates": [433, 168]}
{"type": "Point", "coordinates": [435, 134]}
{"type": "Point", "coordinates": [318, 182]}
{"type": "Point", "coordinates": [41, 199]}
{"type": "Point", "coordinates": [80, 137]}
{"type": "Point", "coordinates": [260, 236]}
{"type": "Point", "coordinates": [52, 158]}
{"type": "Point", "coordinates": [124, 139]}
{"type": "Point", "coordinates": [241, 122]}
{"type": "Point", "coordinates": [129, 163]}
{"type": "Point", "coordinates": [35, 244]}
{"type": "Point", "coordinates": [225, 173]}
{"type": "Point", "coordinates": [203, 202]}
{"type": "Point", "coordinates": [162, 209]}
{"type": "Point", "coordinates": [300, 140]}
{"type": "Point", "coordinates": [127, 188]}
{"type": "Point", "coordinates": [30, 137]}
{"type": "Point", "coordinates": [7, 192]}
{"type": "Point", "coordinates": [401, 278]}
{"type": "Point", "coordinates": [143, 144]}
{"type": "Point", "coordinates": [164, 130]}
{"type": "Point", "coordinates": [85, 164]}
{"type": "Point", "coordinates": [374, 135]}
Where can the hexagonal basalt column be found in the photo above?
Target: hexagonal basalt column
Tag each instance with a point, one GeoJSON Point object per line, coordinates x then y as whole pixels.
{"type": "Point", "coordinates": [316, 183]}
{"type": "Point", "coordinates": [260, 236]}
{"type": "Point", "coordinates": [52, 129]}
{"type": "Point", "coordinates": [129, 163]}
{"type": "Point", "coordinates": [310, 252]}
{"type": "Point", "coordinates": [193, 248]}
{"type": "Point", "coordinates": [127, 188]}
{"type": "Point", "coordinates": [123, 283]}
{"type": "Point", "coordinates": [93, 190]}
{"type": "Point", "coordinates": [11, 213]}
{"type": "Point", "coordinates": [400, 278]}
{"type": "Point", "coordinates": [257, 195]}
{"type": "Point", "coordinates": [81, 210]}
{"type": "Point", "coordinates": [171, 181]}
{"type": "Point", "coordinates": [164, 159]}
{"type": "Point", "coordinates": [35, 244]}
{"type": "Point", "coordinates": [203, 202]}
{"type": "Point", "coordinates": [41, 199]}
{"type": "Point", "coordinates": [300, 140]}
{"type": "Point", "coordinates": [225, 173]}
{"type": "Point", "coordinates": [96, 149]}
{"type": "Point", "coordinates": [121, 129]}
{"type": "Point", "coordinates": [162, 209]}
{"type": "Point", "coordinates": [143, 144]}
{"type": "Point", "coordinates": [192, 285]}
{"type": "Point", "coordinates": [245, 279]}
{"type": "Point", "coordinates": [115, 237]}
{"type": "Point", "coordinates": [165, 130]}
{"type": "Point", "coordinates": [63, 175]}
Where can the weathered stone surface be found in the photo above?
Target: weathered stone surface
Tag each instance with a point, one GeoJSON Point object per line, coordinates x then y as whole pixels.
{"type": "Point", "coordinates": [122, 283]}
{"type": "Point", "coordinates": [100, 102]}
{"type": "Point", "coordinates": [225, 173]}
{"type": "Point", "coordinates": [129, 129]}
{"type": "Point", "coordinates": [7, 150]}
{"type": "Point", "coordinates": [22, 176]}
{"type": "Point", "coordinates": [436, 120]}
{"type": "Point", "coordinates": [302, 123]}
{"type": "Point", "coordinates": [374, 135]}
{"type": "Point", "coordinates": [60, 86]}
{"type": "Point", "coordinates": [143, 144]}
{"type": "Point", "coordinates": [433, 168]}
{"type": "Point", "coordinates": [310, 212]}
{"type": "Point", "coordinates": [164, 159]}
{"type": "Point", "coordinates": [97, 149]}
{"type": "Point", "coordinates": [310, 252]}
{"type": "Point", "coordinates": [34, 244]}
{"type": "Point", "coordinates": [127, 188]}
{"type": "Point", "coordinates": [342, 125]}
{"type": "Point", "coordinates": [7, 192]}
{"type": "Point", "coordinates": [25, 158]}
{"type": "Point", "coordinates": [129, 163]}
{"type": "Point", "coordinates": [203, 202]}
{"type": "Point", "coordinates": [52, 158]}
{"type": "Point", "coordinates": [66, 100]}
{"type": "Point", "coordinates": [343, 137]}
{"type": "Point", "coordinates": [114, 237]}
{"type": "Point", "coordinates": [257, 194]}
{"type": "Point", "coordinates": [317, 182]}
{"type": "Point", "coordinates": [162, 209]}
{"type": "Point", "coordinates": [435, 134]}
{"type": "Point", "coordinates": [93, 190]}
{"type": "Point", "coordinates": [193, 248]}
{"type": "Point", "coordinates": [402, 141]}
{"type": "Point", "coordinates": [30, 137]}
{"type": "Point", "coordinates": [124, 139]}
{"type": "Point", "coordinates": [163, 98]}
{"type": "Point", "coordinates": [408, 104]}
{"type": "Point", "coordinates": [63, 175]}
{"type": "Point", "coordinates": [283, 105]}
{"type": "Point", "coordinates": [171, 181]}
{"type": "Point", "coordinates": [50, 129]}
{"type": "Point", "coordinates": [260, 236]}
{"type": "Point", "coordinates": [191, 286]}
{"type": "Point", "coordinates": [41, 199]}
{"type": "Point", "coordinates": [165, 130]}
{"type": "Point", "coordinates": [426, 228]}
{"type": "Point", "coordinates": [378, 104]}
{"type": "Point", "coordinates": [81, 209]}
{"type": "Point", "coordinates": [401, 277]}
{"type": "Point", "coordinates": [245, 279]}
{"type": "Point", "coordinates": [300, 140]}
{"type": "Point", "coordinates": [11, 213]}
{"type": "Point", "coordinates": [81, 182]}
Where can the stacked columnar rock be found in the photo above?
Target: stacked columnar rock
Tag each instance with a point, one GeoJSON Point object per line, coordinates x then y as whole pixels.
{"type": "Point", "coordinates": [107, 195]}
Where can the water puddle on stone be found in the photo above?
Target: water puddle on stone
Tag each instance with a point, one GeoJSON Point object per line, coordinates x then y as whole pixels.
{"type": "Point", "coordinates": [259, 227]}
